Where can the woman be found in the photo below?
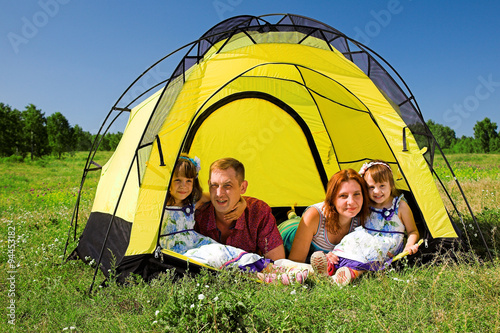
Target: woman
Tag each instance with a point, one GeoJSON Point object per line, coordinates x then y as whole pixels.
{"type": "Point", "coordinates": [324, 224]}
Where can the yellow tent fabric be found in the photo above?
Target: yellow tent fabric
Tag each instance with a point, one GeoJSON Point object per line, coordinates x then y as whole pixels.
{"type": "Point", "coordinates": [292, 113]}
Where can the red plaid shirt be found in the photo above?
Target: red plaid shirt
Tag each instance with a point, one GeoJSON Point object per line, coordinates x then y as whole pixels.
{"type": "Point", "coordinates": [255, 231]}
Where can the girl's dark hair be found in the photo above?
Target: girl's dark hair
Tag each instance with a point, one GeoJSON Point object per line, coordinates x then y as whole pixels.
{"type": "Point", "coordinates": [185, 167]}
{"type": "Point", "coordinates": [332, 220]}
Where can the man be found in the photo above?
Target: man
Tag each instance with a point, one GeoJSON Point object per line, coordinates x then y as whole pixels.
{"type": "Point", "coordinates": [255, 230]}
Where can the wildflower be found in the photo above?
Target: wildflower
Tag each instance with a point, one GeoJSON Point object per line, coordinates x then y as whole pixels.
{"type": "Point", "coordinates": [192, 306]}
{"type": "Point", "coordinates": [156, 313]}
{"type": "Point", "coordinates": [201, 297]}
{"type": "Point", "coordinates": [293, 292]}
{"type": "Point", "coordinates": [396, 279]}
{"type": "Point", "coordinates": [197, 284]}
{"type": "Point", "coordinates": [155, 322]}
{"type": "Point", "coordinates": [207, 286]}
{"type": "Point", "coordinates": [216, 299]}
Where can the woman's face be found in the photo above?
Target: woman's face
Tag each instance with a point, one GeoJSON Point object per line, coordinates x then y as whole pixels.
{"type": "Point", "coordinates": [349, 199]}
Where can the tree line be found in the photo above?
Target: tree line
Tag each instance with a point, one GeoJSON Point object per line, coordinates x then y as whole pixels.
{"type": "Point", "coordinates": [486, 139]}
{"type": "Point", "coordinates": [29, 132]}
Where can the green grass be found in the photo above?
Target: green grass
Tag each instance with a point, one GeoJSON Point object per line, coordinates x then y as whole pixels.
{"type": "Point", "coordinates": [37, 198]}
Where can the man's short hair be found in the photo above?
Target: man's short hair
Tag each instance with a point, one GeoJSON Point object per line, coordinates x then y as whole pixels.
{"type": "Point", "coordinates": [226, 163]}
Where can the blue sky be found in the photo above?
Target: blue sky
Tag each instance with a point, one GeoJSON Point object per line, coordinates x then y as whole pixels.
{"type": "Point", "coordinates": [77, 57]}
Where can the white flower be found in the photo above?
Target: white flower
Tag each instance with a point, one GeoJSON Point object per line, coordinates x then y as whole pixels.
{"type": "Point", "coordinates": [197, 284]}
{"type": "Point", "coordinates": [396, 279]}
{"type": "Point", "coordinates": [155, 322]}
{"type": "Point", "coordinates": [192, 306]}
{"type": "Point", "coordinates": [207, 286]}
{"type": "Point", "coordinates": [156, 313]}
{"type": "Point", "coordinates": [293, 292]}
{"type": "Point", "coordinates": [216, 299]}
{"type": "Point", "coordinates": [201, 297]}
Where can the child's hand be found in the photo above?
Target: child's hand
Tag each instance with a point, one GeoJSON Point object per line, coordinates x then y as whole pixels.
{"type": "Point", "coordinates": [412, 249]}
{"type": "Point", "coordinates": [332, 258]}
{"type": "Point", "coordinates": [237, 211]}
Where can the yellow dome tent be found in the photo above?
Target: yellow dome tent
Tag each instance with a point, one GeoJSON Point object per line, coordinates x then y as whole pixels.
{"type": "Point", "coordinates": [294, 100]}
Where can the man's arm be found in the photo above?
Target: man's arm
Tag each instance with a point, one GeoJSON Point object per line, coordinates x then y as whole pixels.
{"type": "Point", "coordinates": [276, 253]}
{"type": "Point", "coordinates": [269, 240]}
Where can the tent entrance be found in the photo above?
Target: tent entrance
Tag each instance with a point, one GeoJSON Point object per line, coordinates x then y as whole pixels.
{"type": "Point", "coordinates": [270, 139]}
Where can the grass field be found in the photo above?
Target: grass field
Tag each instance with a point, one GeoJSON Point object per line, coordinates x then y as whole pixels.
{"type": "Point", "coordinates": [40, 293]}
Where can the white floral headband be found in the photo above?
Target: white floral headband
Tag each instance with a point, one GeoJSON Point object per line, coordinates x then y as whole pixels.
{"type": "Point", "coordinates": [367, 166]}
{"type": "Point", "coordinates": [196, 162]}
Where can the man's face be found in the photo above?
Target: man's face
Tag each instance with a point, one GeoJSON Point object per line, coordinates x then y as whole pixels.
{"type": "Point", "coordinates": [225, 189]}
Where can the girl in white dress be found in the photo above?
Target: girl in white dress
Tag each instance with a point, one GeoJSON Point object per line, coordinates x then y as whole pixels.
{"type": "Point", "coordinates": [368, 248]}
{"type": "Point", "coordinates": [177, 230]}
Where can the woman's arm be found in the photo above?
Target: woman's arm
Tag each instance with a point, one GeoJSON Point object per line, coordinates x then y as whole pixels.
{"type": "Point", "coordinates": [303, 237]}
{"type": "Point", "coordinates": [406, 217]}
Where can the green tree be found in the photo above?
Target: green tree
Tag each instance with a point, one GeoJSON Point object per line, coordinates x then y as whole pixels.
{"type": "Point", "coordinates": [82, 140]}
{"type": "Point", "coordinates": [59, 134]}
{"type": "Point", "coordinates": [114, 140]}
{"type": "Point", "coordinates": [11, 139]}
{"type": "Point", "coordinates": [444, 135]}
{"type": "Point", "coordinates": [104, 142]}
{"type": "Point", "coordinates": [495, 145]}
{"type": "Point", "coordinates": [35, 131]}
{"type": "Point", "coordinates": [466, 145]}
{"type": "Point", "coordinates": [484, 131]}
